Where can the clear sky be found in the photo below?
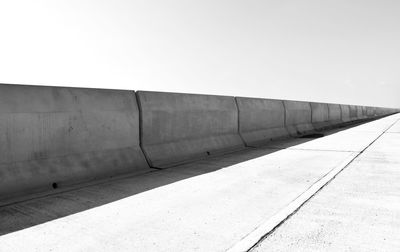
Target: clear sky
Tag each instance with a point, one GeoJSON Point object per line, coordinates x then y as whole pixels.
{"type": "Point", "coordinates": [341, 51]}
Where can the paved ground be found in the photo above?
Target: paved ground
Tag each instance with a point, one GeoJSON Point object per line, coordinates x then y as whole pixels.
{"type": "Point", "coordinates": [358, 211]}
{"type": "Point", "coordinates": [209, 205]}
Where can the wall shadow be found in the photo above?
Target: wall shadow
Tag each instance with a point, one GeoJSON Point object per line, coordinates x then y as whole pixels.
{"type": "Point", "coordinates": [28, 213]}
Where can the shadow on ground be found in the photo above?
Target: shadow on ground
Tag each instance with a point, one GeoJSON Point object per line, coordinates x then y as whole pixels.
{"type": "Point", "coordinates": [28, 213]}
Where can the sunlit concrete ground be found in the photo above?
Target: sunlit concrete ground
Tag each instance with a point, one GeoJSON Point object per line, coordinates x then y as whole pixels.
{"type": "Point", "coordinates": [358, 211]}
{"type": "Point", "coordinates": [209, 205]}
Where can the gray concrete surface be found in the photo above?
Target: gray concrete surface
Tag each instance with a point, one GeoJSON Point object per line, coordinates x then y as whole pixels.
{"type": "Point", "coordinates": [57, 137]}
{"type": "Point", "coordinates": [320, 115]}
{"type": "Point", "coordinates": [364, 112]}
{"type": "Point", "coordinates": [298, 117]}
{"type": "Point", "coordinates": [360, 112]}
{"type": "Point", "coordinates": [69, 159]}
{"type": "Point", "coordinates": [178, 128]}
{"type": "Point", "coordinates": [353, 112]}
{"type": "Point", "coordinates": [358, 211]}
{"type": "Point", "coordinates": [208, 205]}
{"type": "Point", "coordinates": [353, 139]}
{"type": "Point", "coordinates": [345, 110]}
{"type": "Point", "coordinates": [261, 120]}
{"type": "Point", "coordinates": [335, 114]}
{"type": "Point", "coordinates": [65, 136]}
{"type": "Point", "coordinates": [371, 112]}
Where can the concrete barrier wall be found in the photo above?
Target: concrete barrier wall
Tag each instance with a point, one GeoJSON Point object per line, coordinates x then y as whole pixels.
{"type": "Point", "coordinates": [65, 136]}
{"type": "Point", "coordinates": [335, 114]}
{"type": "Point", "coordinates": [56, 136]}
{"type": "Point", "coordinates": [364, 112]}
{"type": "Point", "coordinates": [181, 127]}
{"type": "Point", "coordinates": [298, 117]}
{"type": "Point", "coordinates": [353, 112]}
{"type": "Point", "coordinates": [261, 120]}
{"type": "Point", "coordinates": [371, 112]}
{"type": "Point", "coordinates": [320, 115]}
{"type": "Point", "coordinates": [345, 109]}
{"type": "Point", "coordinates": [360, 113]}
{"type": "Point", "coordinates": [383, 111]}
{"type": "Point", "coordinates": [387, 111]}
{"type": "Point", "coordinates": [379, 111]}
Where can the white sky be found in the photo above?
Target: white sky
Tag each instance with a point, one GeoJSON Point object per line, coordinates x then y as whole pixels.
{"type": "Point", "coordinates": [341, 51]}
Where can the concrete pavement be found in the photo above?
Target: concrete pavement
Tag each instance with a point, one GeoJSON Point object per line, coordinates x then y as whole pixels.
{"type": "Point", "coordinates": [209, 205]}
{"type": "Point", "coordinates": [358, 211]}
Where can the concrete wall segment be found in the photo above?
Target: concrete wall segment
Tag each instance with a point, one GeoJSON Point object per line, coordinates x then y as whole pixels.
{"type": "Point", "coordinates": [261, 120]}
{"type": "Point", "coordinates": [65, 136]}
{"type": "Point", "coordinates": [73, 135]}
{"type": "Point", "coordinates": [320, 115]}
{"type": "Point", "coordinates": [298, 117]}
{"type": "Point", "coordinates": [179, 128]}
{"type": "Point", "coordinates": [345, 113]}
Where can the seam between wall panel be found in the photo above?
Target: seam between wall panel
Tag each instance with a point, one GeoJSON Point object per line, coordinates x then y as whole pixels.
{"type": "Point", "coordinates": [146, 156]}
{"type": "Point", "coordinates": [284, 117]}
{"type": "Point", "coordinates": [238, 121]}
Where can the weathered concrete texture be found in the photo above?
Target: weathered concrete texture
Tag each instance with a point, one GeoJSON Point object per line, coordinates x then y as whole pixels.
{"type": "Point", "coordinates": [65, 136]}
{"type": "Point", "coordinates": [298, 117]}
{"type": "Point", "coordinates": [178, 128]}
{"type": "Point", "coordinates": [385, 111]}
{"type": "Point", "coordinates": [58, 137]}
{"type": "Point", "coordinates": [320, 115]}
{"type": "Point", "coordinates": [358, 211]}
{"type": "Point", "coordinates": [364, 112]}
{"type": "Point", "coordinates": [371, 112]}
{"type": "Point", "coordinates": [203, 212]}
{"type": "Point", "coordinates": [380, 111]}
{"type": "Point", "coordinates": [345, 110]}
{"type": "Point", "coordinates": [351, 140]}
{"type": "Point", "coordinates": [353, 112]}
{"type": "Point", "coordinates": [360, 115]}
{"type": "Point", "coordinates": [335, 114]}
{"type": "Point", "coordinates": [261, 120]}
{"type": "Point", "coordinates": [208, 205]}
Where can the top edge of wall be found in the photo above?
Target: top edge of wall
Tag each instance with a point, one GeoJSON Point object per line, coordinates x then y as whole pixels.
{"type": "Point", "coordinates": [132, 90]}
{"type": "Point", "coordinates": [182, 93]}
{"type": "Point", "coordinates": [47, 86]}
